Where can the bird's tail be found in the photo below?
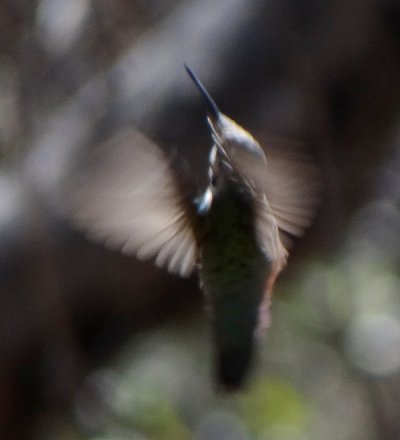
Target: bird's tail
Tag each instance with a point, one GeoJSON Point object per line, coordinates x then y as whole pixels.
{"type": "Point", "coordinates": [233, 364]}
{"type": "Point", "coordinates": [234, 325]}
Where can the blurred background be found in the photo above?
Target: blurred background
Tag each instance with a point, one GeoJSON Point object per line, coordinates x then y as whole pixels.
{"type": "Point", "coordinates": [98, 346]}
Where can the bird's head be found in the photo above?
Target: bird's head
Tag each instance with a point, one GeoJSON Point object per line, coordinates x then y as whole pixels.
{"type": "Point", "coordinates": [235, 155]}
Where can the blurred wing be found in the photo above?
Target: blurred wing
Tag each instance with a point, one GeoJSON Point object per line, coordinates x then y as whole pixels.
{"type": "Point", "coordinates": [129, 197]}
{"type": "Point", "coordinates": [287, 176]}
{"type": "Point", "coordinates": [268, 233]}
{"type": "Point", "coordinates": [292, 187]}
{"type": "Point", "coordinates": [291, 184]}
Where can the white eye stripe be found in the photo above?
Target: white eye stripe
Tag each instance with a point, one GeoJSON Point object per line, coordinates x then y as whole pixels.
{"type": "Point", "coordinates": [212, 162]}
{"type": "Point", "coordinates": [213, 155]}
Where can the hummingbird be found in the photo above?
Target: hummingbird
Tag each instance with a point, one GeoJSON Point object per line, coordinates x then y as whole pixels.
{"type": "Point", "coordinates": [136, 198]}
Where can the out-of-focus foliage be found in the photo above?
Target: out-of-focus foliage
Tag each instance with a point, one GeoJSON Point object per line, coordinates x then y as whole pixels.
{"type": "Point", "coordinates": [97, 346]}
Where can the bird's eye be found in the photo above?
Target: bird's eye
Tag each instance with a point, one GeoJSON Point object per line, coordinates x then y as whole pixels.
{"type": "Point", "coordinates": [214, 180]}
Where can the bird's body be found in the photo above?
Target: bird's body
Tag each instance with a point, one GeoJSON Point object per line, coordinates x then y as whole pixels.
{"type": "Point", "coordinates": [233, 270]}
{"type": "Point", "coordinates": [230, 234]}
{"type": "Point", "coordinates": [237, 260]}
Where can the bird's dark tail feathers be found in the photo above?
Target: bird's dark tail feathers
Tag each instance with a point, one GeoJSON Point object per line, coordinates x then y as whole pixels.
{"type": "Point", "coordinates": [233, 364]}
{"type": "Point", "coordinates": [234, 329]}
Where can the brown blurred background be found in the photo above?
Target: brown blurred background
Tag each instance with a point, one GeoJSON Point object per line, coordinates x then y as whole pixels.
{"type": "Point", "coordinates": [94, 345]}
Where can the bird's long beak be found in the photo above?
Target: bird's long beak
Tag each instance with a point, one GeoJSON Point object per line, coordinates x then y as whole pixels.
{"type": "Point", "coordinates": [213, 110]}
{"type": "Point", "coordinates": [211, 105]}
